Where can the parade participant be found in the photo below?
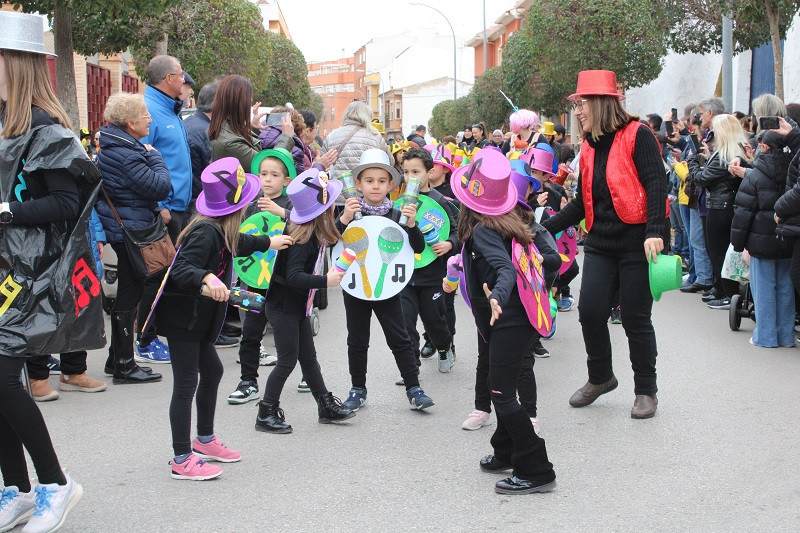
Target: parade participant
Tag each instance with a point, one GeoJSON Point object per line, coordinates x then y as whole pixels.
{"type": "Point", "coordinates": [487, 226]}
{"type": "Point", "coordinates": [312, 228]}
{"type": "Point", "coordinates": [622, 195]}
{"type": "Point", "coordinates": [275, 171]}
{"type": "Point", "coordinates": [374, 178]}
{"type": "Point", "coordinates": [192, 322]}
{"type": "Point", "coordinates": [44, 223]}
{"type": "Point", "coordinates": [422, 297]}
{"type": "Point", "coordinates": [524, 124]}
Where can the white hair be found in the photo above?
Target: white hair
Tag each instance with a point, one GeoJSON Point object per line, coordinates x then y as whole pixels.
{"type": "Point", "coordinates": [361, 113]}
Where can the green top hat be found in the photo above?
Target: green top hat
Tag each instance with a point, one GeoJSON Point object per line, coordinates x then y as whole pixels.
{"type": "Point", "coordinates": [280, 153]}
{"type": "Point", "coordinates": [665, 275]}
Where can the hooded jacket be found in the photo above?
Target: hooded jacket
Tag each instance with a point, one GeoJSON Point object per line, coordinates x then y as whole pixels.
{"type": "Point", "coordinates": [788, 206]}
{"type": "Point", "coordinates": [272, 137]}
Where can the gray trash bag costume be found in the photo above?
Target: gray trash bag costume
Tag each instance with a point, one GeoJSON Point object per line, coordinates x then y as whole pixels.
{"type": "Point", "coordinates": [50, 299]}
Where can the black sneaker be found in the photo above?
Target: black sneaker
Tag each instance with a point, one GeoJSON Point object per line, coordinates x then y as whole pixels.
{"type": "Point", "coordinates": [226, 342]}
{"type": "Point", "coordinates": [516, 485]}
{"type": "Point", "coordinates": [616, 315]}
{"type": "Point", "coordinates": [709, 295]}
{"type": "Point", "coordinates": [722, 303]}
{"type": "Point", "coordinates": [427, 350]}
{"type": "Point", "coordinates": [303, 386]}
{"type": "Point", "coordinates": [247, 391]}
{"type": "Point", "coordinates": [54, 366]}
{"type": "Point", "coordinates": [539, 350]}
{"type": "Point", "coordinates": [418, 399]}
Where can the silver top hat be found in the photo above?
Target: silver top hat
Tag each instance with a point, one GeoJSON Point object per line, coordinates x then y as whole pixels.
{"type": "Point", "coordinates": [375, 157]}
{"type": "Point", "coordinates": [23, 32]}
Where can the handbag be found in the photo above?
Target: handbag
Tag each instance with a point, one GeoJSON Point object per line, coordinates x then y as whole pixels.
{"type": "Point", "coordinates": [150, 249]}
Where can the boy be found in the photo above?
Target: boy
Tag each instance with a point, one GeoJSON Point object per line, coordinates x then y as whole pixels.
{"type": "Point", "coordinates": [374, 178]}
{"type": "Point", "coordinates": [423, 295]}
{"type": "Point", "coordinates": [275, 170]}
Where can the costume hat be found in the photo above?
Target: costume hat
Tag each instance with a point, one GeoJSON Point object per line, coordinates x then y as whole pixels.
{"type": "Point", "coordinates": [484, 185]}
{"type": "Point", "coordinates": [226, 188]}
{"type": "Point", "coordinates": [539, 159]}
{"type": "Point", "coordinates": [375, 157]}
{"type": "Point", "coordinates": [596, 83]}
{"type": "Point", "coordinates": [23, 32]}
{"type": "Point", "coordinates": [280, 153]}
{"type": "Point", "coordinates": [521, 178]}
{"type": "Point", "coordinates": [665, 275]}
{"type": "Point", "coordinates": [547, 129]}
{"type": "Point", "coordinates": [312, 194]}
{"type": "Point", "coordinates": [441, 155]}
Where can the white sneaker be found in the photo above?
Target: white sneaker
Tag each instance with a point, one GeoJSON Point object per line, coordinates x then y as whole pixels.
{"type": "Point", "coordinates": [535, 422]}
{"type": "Point", "coordinates": [476, 420]}
{"type": "Point", "coordinates": [53, 503]}
{"type": "Point", "coordinates": [265, 358]}
{"type": "Point", "coordinates": [15, 507]}
{"type": "Point", "coordinates": [446, 361]}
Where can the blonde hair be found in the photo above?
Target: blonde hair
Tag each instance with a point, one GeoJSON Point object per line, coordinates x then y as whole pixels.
{"type": "Point", "coordinates": [728, 132]}
{"type": "Point", "coordinates": [360, 112]}
{"type": "Point", "coordinates": [608, 116]}
{"type": "Point", "coordinates": [229, 224]}
{"type": "Point", "coordinates": [122, 108]}
{"type": "Point", "coordinates": [28, 82]}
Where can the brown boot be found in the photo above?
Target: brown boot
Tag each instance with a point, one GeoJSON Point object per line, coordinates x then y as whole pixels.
{"type": "Point", "coordinates": [644, 406]}
{"type": "Point", "coordinates": [42, 391]}
{"type": "Point", "coordinates": [589, 393]}
{"type": "Point", "coordinates": [80, 383]}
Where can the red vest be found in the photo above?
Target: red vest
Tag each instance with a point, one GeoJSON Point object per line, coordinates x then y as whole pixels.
{"type": "Point", "coordinates": [627, 193]}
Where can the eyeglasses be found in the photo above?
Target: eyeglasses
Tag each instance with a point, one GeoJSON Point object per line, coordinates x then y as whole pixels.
{"type": "Point", "coordinates": [182, 76]}
{"type": "Point", "coordinates": [148, 117]}
{"type": "Point", "coordinates": [578, 104]}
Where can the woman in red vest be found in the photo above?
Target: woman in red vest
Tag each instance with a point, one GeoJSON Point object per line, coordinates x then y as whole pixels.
{"type": "Point", "coordinates": [622, 192]}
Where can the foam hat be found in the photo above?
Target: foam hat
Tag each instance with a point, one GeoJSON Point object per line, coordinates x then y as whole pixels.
{"type": "Point", "coordinates": [539, 159]}
{"type": "Point", "coordinates": [279, 153]}
{"type": "Point", "coordinates": [226, 188]}
{"type": "Point", "coordinates": [441, 156]}
{"type": "Point", "coordinates": [399, 147]}
{"type": "Point", "coordinates": [596, 83]}
{"type": "Point", "coordinates": [375, 158]}
{"type": "Point", "coordinates": [312, 194]}
{"type": "Point", "coordinates": [521, 178]}
{"type": "Point", "coordinates": [547, 129]}
{"type": "Point", "coordinates": [23, 32]}
{"type": "Point", "coordinates": [484, 185]}
{"type": "Point", "coordinates": [529, 155]}
{"type": "Point", "coordinates": [665, 275]}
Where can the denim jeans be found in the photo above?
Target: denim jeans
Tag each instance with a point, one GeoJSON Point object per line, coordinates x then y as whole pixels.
{"type": "Point", "coordinates": [681, 240]}
{"type": "Point", "coordinates": [700, 260]}
{"type": "Point", "coordinates": [773, 295]}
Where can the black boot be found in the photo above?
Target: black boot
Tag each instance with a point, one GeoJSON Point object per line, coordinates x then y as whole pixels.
{"type": "Point", "coordinates": [330, 409]}
{"type": "Point", "coordinates": [125, 368]}
{"type": "Point", "coordinates": [271, 419]}
{"type": "Point", "coordinates": [109, 366]}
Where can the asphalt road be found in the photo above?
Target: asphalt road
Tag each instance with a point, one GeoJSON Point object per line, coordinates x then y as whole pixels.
{"type": "Point", "coordinates": [721, 454]}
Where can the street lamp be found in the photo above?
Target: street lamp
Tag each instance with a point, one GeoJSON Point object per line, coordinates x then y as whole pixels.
{"type": "Point", "coordinates": [455, 80]}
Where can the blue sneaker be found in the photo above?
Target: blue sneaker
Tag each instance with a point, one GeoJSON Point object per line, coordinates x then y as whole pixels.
{"type": "Point", "coordinates": [565, 304]}
{"type": "Point", "coordinates": [418, 399]}
{"type": "Point", "coordinates": [552, 331]}
{"type": "Point", "coordinates": [355, 399]}
{"type": "Point", "coordinates": [155, 352]}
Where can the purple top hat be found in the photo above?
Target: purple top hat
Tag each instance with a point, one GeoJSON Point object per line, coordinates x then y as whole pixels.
{"type": "Point", "coordinates": [484, 185]}
{"type": "Point", "coordinates": [226, 188]}
{"type": "Point", "coordinates": [311, 194]}
{"type": "Point", "coordinates": [521, 178]}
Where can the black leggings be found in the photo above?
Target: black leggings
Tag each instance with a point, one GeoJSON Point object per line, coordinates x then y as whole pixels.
{"type": "Point", "coordinates": [526, 388]}
{"type": "Point", "coordinates": [190, 359]}
{"type": "Point", "coordinates": [427, 304]}
{"type": "Point", "coordinates": [294, 341]}
{"type": "Point", "coordinates": [718, 237]}
{"type": "Point", "coordinates": [21, 424]}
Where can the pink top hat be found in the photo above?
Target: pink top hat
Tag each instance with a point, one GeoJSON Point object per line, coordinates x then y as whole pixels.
{"type": "Point", "coordinates": [311, 194]}
{"type": "Point", "coordinates": [538, 159]}
{"type": "Point", "coordinates": [226, 188]}
{"type": "Point", "coordinates": [484, 185]}
{"type": "Point", "coordinates": [521, 178]}
{"type": "Point", "coordinates": [441, 156]}
{"type": "Point", "coordinates": [596, 83]}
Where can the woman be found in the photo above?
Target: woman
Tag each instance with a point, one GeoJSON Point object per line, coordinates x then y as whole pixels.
{"type": "Point", "coordinates": [135, 178]}
{"type": "Point", "coordinates": [356, 135]}
{"type": "Point", "coordinates": [787, 208]}
{"type": "Point", "coordinates": [44, 225]}
{"type": "Point", "coordinates": [479, 139]}
{"type": "Point", "coordinates": [281, 137]}
{"type": "Point", "coordinates": [497, 138]}
{"type": "Point", "coordinates": [625, 214]}
{"type": "Point", "coordinates": [524, 125]}
{"type": "Point", "coordinates": [721, 187]}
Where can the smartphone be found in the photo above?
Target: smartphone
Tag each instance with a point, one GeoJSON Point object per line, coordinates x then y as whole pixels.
{"type": "Point", "coordinates": [674, 114]}
{"type": "Point", "coordinates": [669, 127]}
{"type": "Point", "coordinates": [695, 141]}
{"type": "Point", "coordinates": [768, 123]}
{"type": "Point", "coordinates": [274, 119]}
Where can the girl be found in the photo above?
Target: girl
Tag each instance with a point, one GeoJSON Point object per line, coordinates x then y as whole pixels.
{"type": "Point", "coordinates": [311, 226]}
{"type": "Point", "coordinates": [192, 322]}
{"type": "Point", "coordinates": [486, 226]}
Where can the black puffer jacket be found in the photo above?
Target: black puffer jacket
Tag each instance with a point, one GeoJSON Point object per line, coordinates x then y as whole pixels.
{"type": "Point", "coordinates": [788, 206]}
{"type": "Point", "coordinates": [720, 185]}
{"type": "Point", "coordinates": [753, 224]}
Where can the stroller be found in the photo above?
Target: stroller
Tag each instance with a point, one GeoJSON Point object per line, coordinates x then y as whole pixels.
{"type": "Point", "coordinates": [737, 268]}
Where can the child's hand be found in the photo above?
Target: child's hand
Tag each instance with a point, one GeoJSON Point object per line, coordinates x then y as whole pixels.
{"type": "Point", "coordinates": [542, 199]}
{"type": "Point", "coordinates": [445, 285]}
{"type": "Point", "coordinates": [266, 204]}
{"type": "Point", "coordinates": [328, 158]}
{"type": "Point", "coordinates": [334, 277]}
{"type": "Point", "coordinates": [746, 256]}
{"type": "Point", "coordinates": [351, 207]}
{"type": "Point", "coordinates": [280, 242]}
{"type": "Point", "coordinates": [286, 125]}
{"type": "Point", "coordinates": [410, 210]}
{"type": "Point", "coordinates": [214, 288]}
{"type": "Point", "coordinates": [563, 202]}
{"type": "Point", "coordinates": [496, 310]}
{"type": "Point", "coordinates": [442, 247]}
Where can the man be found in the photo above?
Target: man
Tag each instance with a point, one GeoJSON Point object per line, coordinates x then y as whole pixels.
{"type": "Point", "coordinates": [186, 89]}
{"type": "Point", "coordinates": [561, 133]}
{"type": "Point", "coordinates": [418, 136]}
{"type": "Point", "coordinates": [197, 133]}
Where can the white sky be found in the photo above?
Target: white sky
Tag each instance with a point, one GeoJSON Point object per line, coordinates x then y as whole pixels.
{"type": "Point", "coordinates": [321, 28]}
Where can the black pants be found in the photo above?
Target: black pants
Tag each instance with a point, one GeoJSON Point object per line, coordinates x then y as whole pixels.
{"type": "Point", "coordinates": [134, 292]}
{"type": "Point", "coordinates": [21, 424]}
{"type": "Point", "coordinates": [718, 237]}
{"type": "Point", "coordinates": [428, 304]}
{"type": "Point", "coordinates": [250, 347]}
{"type": "Point", "coordinates": [390, 315]}
{"type": "Point", "coordinates": [450, 305]}
{"type": "Point", "coordinates": [601, 269]}
{"type": "Point", "coordinates": [514, 440]}
{"type": "Point", "coordinates": [175, 226]}
{"type": "Point", "coordinates": [563, 280]}
{"type": "Point", "coordinates": [189, 360]}
{"type": "Point", "coordinates": [72, 364]}
{"type": "Point", "coordinates": [794, 273]}
{"type": "Point", "coordinates": [294, 342]}
{"type": "Point", "coordinates": [526, 387]}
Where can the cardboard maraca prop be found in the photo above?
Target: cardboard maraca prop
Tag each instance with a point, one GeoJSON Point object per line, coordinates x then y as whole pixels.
{"type": "Point", "coordinates": [454, 269]}
{"type": "Point", "coordinates": [344, 261]}
{"type": "Point", "coordinates": [249, 301]}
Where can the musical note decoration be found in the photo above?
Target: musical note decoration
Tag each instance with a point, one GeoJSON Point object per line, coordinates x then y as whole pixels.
{"type": "Point", "coordinates": [256, 269]}
{"type": "Point", "coordinates": [83, 294]}
{"type": "Point", "coordinates": [10, 289]}
{"type": "Point", "coordinates": [530, 284]}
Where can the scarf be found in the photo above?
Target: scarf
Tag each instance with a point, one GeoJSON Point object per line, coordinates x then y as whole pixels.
{"type": "Point", "coordinates": [380, 210]}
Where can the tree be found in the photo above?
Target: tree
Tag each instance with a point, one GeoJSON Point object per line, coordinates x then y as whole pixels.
{"type": "Point", "coordinates": [488, 104]}
{"type": "Point", "coordinates": [288, 77]}
{"type": "Point", "coordinates": [450, 116]}
{"type": "Point", "coordinates": [702, 30]}
{"type": "Point", "coordinates": [629, 38]}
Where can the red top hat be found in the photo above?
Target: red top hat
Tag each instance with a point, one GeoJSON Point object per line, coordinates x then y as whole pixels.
{"type": "Point", "coordinates": [596, 83]}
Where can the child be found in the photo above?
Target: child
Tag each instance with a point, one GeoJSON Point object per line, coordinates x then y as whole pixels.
{"type": "Point", "coordinates": [423, 295]}
{"type": "Point", "coordinates": [192, 322]}
{"type": "Point", "coordinates": [275, 170]}
{"type": "Point", "coordinates": [487, 225]}
{"type": "Point", "coordinates": [374, 178]}
{"type": "Point", "coordinates": [312, 228]}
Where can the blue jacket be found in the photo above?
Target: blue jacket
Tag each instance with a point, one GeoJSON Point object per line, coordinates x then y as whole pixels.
{"type": "Point", "coordinates": [134, 179]}
{"type": "Point", "coordinates": [168, 136]}
{"type": "Point", "coordinates": [199, 147]}
{"type": "Point", "coordinates": [96, 235]}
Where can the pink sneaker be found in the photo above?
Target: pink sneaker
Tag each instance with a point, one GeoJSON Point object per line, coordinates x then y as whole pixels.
{"type": "Point", "coordinates": [476, 420]}
{"type": "Point", "coordinates": [195, 469]}
{"type": "Point", "coordinates": [215, 451]}
{"type": "Point", "coordinates": [535, 423]}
